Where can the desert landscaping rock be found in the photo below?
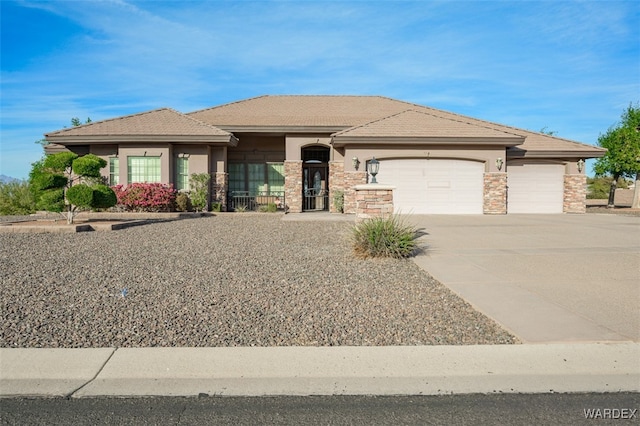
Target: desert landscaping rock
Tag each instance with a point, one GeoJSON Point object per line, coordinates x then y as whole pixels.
{"type": "Point", "coordinates": [228, 280]}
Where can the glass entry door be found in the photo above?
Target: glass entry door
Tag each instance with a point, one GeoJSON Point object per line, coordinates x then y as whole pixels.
{"type": "Point", "coordinates": [315, 186]}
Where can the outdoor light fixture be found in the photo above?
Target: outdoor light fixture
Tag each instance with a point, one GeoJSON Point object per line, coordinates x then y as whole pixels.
{"type": "Point", "coordinates": [580, 165]}
{"type": "Point", "coordinates": [355, 162]}
{"type": "Point", "coordinates": [374, 167]}
{"type": "Point", "coordinates": [499, 163]}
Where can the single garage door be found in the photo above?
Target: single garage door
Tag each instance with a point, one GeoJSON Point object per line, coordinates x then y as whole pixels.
{"type": "Point", "coordinates": [535, 188]}
{"type": "Point", "coordinates": [434, 186]}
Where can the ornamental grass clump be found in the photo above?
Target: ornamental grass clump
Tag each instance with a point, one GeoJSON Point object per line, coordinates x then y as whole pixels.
{"type": "Point", "coordinates": [384, 237]}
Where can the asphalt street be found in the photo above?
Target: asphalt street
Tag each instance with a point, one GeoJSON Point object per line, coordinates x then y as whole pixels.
{"type": "Point", "coordinates": [511, 409]}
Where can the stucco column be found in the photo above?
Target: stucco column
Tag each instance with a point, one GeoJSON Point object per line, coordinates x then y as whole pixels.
{"type": "Point", "coordinates": [373, 200]}
{"type": "Point", "coordinates": [293, 185]}
{"type": "Point", "coordinates": [575, 194]}
{"type": "Point", "coordinates": [495, 193]}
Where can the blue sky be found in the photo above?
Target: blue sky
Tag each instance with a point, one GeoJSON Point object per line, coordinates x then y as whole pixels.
{"type": "Point", "coordinates": [571, 67]}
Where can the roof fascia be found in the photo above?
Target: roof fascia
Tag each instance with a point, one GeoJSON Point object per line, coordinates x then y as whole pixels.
{"type": "Point", "coordinates": [282, 129]}
{"type": "Point", "coordinates": [554, 154]}
{"type": "Point", "coordinates": [84, 140]}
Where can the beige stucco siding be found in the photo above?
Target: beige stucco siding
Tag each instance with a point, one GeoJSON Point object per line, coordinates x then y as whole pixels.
{"type": "Point", "coordinates": [257, 148]}
{"type": "Point", "coordinates": [487, 155]}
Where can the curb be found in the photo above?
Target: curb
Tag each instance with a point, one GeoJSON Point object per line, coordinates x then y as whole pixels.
{"type": "Point", "coordinates": [263, 371]}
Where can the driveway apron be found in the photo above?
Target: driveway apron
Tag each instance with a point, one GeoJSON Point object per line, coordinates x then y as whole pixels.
{"type": "Point", "coordinates": [545, 278]}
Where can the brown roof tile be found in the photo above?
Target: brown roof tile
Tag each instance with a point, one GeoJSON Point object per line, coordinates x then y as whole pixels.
{"type": "Point", "coordinates": [423, 124]}
{"type": "Point", "coordinates": [159, 122]}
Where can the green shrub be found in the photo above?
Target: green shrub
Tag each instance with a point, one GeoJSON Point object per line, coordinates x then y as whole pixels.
{"type": "Point", "coordinates": [16, 198]}
{"type": "Point", "coordinates": [384, 237]}
{"type": "Point", "coordinates": [88, 165]}
{"type": "Point", "coordinates": [51, 200]}
{"type": "Point", "coordinates": [199, 183]}
{"type": "Point", "coordinates": [598, 188]}
{"type": "Point", "coordinates": [269, 208]}
{"type": "Point", "coordinates": [49, 181]}
{"type": "Point", "coordinates": [241, 208]}
{"type": "Point", "coordinates": [183, 202]}
{"type": "Point", "coordinates": [80, 195]}
{"type": "Point", "coordinates": [216, 207]}
{"type": "Point", "coordinates": [103, 197]}
{"type": "Point", "coordinates": [338, 200]}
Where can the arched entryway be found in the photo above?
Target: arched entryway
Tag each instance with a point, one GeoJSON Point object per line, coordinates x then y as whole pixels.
{"type": "Point", "coordinates": [315, 178]}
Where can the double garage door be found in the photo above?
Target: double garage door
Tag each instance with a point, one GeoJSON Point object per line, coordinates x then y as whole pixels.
{"type": "Point", "coordinates": [434, 186]}
{"type": "Point", "coordinates": [456, 186]}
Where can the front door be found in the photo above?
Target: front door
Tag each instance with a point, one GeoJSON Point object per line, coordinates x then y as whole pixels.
{"type": "Point", "coordinates": [315, 187]}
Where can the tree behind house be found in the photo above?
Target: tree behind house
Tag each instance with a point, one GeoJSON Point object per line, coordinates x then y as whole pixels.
{"type": "Point", "coordinates": [623, 153]}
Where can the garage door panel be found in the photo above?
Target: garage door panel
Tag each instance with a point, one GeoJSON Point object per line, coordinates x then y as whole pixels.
{"type": "Point", "coordinates": [434, 186]}
{"type": "Point", "coordinates": [535, 188]}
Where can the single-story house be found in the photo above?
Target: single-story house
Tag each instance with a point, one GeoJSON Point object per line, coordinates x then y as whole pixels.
{"type": "Point", "coordinates": [299, 150]}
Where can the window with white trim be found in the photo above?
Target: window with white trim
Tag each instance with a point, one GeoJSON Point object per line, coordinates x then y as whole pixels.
{"type": "Point", "coordinates": [143, 169]}
{"type": "Point", "coordinates": [182, 174]}
{"type": "Point", "coordinates": [114, 171]}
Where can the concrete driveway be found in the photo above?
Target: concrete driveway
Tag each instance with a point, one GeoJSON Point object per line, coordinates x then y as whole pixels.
{"type": "Point", "coordinates": [546, 278]}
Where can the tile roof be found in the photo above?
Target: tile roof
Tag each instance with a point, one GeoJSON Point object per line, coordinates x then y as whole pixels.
{"type": "Point", "coordinates": [158, 122]}
{"type": "Point", "coordinates": [423, 124]}
{"type": "Point", "coordinates": [343, 112]}
{"type": "Point", "coordinates": [306, 110]}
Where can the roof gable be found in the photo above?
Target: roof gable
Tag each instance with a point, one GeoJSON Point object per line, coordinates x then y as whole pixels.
{"type": "Point", "coordinates": [421, 124]}
{"type": "Point", "coordinates": [159, 123]}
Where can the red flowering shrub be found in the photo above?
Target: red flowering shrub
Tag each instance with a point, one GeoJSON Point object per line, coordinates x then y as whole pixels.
{"type": "Point", "coordinates": [145, 197]}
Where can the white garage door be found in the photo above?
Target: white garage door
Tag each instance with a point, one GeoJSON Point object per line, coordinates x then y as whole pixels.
{"type": "Point", "coordinates": [434, 186]}
{"type": "Point", "coordinates": [535, 188]}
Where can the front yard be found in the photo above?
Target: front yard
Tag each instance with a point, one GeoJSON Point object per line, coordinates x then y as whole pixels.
{"type": "Point", "coordinates": [228, 280]}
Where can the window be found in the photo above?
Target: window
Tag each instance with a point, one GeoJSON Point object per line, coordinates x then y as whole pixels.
{"type": "Point", "coordinates": [114, 171]}
{"type": "Point", "coordinates": [143, 169]}
{"type": "Point", "coordinates": [257, 178]}
{"type": "Point", "coordinates": [276, 177]}
{"type": "Point", "coordinates": [182, 173]}
{"type": "Point", "coordinates": [236, 177]}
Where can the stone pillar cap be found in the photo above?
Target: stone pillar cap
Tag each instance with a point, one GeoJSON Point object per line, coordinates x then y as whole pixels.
{"type": "Point", "coordinates": [374, 187]}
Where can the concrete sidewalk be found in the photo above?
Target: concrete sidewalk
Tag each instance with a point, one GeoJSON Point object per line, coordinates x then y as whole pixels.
{"type": "Point", "coordinates": [406, 370]}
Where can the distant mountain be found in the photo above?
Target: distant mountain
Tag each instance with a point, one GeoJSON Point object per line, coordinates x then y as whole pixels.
{"type": "Point", "coordinates": [7, 179]}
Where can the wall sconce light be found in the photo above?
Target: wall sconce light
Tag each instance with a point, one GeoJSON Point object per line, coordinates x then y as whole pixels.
{"type": "Point", "coordinates": [499, 163]}
{"type": "Point", "coordinates": [580, 165]}
{"type": "Point", "coordinates": [373, 168]}
{"type": "Point", "coordinates": [355, 162]}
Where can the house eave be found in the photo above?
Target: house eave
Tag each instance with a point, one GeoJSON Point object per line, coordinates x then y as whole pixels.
{"type": "Point", "coordinates": [341, 141]}
{"type": "Point", "coordinates": [520, 153]}
{"type": "Point", "coordinates": [282, 129]}
{"type": "Point", "coordinates": [227, 140]}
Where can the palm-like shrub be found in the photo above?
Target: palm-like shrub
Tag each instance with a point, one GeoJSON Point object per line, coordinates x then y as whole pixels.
{"type": "Point", "coordinates": [384, 237]}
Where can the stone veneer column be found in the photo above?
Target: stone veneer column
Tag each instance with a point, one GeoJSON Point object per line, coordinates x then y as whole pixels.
{"type": "Point", "coordinates": [495, 193]}
{"type": "Point", "coordinates": [373, 200]}
{"type": "Point", "coordinates": [336, 181]}
{"type": "Point", "coordinates": [220, 189]}
{"type": "Point", "coordinates": [575, 194]}
{"type": "Point", "coordinates": [293, 185]}
{"type": "Point", "coordinates": [352, 179]}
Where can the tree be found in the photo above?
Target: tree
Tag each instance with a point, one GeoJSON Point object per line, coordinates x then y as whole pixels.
{"type": "Point", "coordinates": [622, 159]}
{"type": "Point", "coordinates": [75, 121]}
{"type": "Point", "coordinates": [67, 183]}
{"type": "Point", "coordinates": [548, 132]}
{"type": "Point", "coordinates": [200, 190]}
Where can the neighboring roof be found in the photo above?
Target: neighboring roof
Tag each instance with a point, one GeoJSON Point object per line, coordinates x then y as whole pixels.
{"type": "Point", "coordinates": [412, 125]}
{"type": "Point", "coordinates": [164, 124]}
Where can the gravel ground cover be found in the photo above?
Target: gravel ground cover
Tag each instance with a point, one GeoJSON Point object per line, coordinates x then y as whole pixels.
{"type": "Point", "coordinates": [228, 280]}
